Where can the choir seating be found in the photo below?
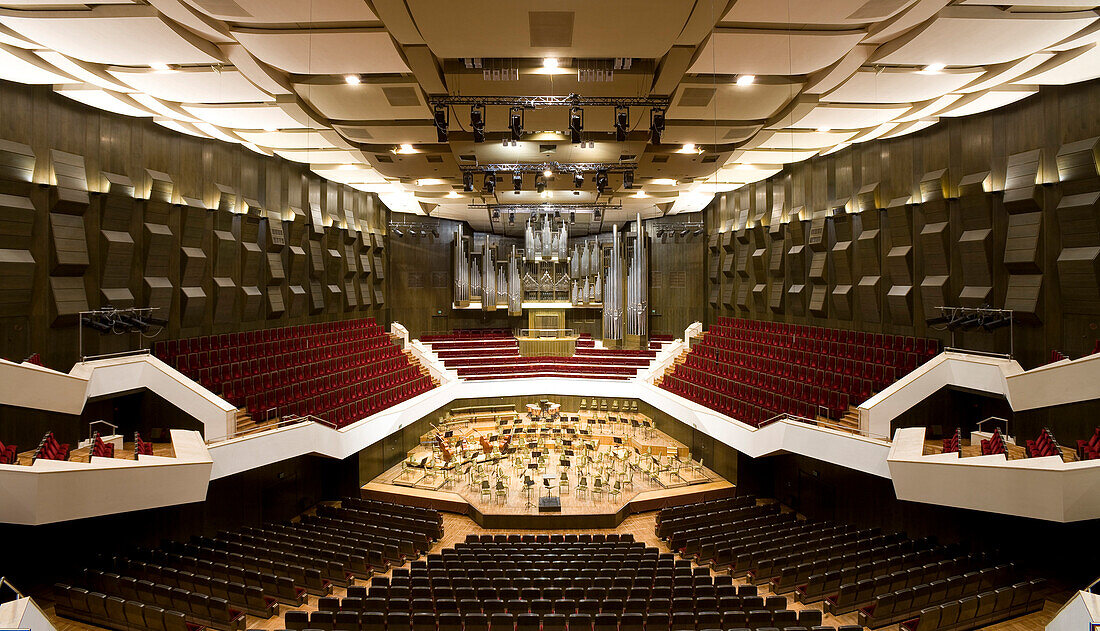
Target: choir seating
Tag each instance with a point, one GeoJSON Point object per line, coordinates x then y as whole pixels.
{"type": "Point", "coordinates": [552, 582]}
{"type": "Point", "coordinates": [101, 449]}
{"type": "Point", "coordinates": [953, 444]}
{"type": "Point", "coordinates": [1043, 445]}
{"type": "Point", "coordinates": [9, 454]}
{"type": "Point", "coordinates": [49, 449]}
{"type": "Point", "coordinates": [752, 370]}
{"type": "Point", "coordinates": [1089, 449]}
{"type": "Point", "coordinates": [339, 371]}
{"type": "Point", "coordinates": [141, 448]}
{"type": "Point", "coordinates": [995, 444]}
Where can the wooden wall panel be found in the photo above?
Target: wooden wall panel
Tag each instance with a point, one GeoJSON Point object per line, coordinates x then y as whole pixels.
{"type": "Point", "coordinates": [999, 208]}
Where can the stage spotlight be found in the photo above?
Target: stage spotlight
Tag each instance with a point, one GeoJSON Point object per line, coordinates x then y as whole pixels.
{"type": "Point", "coordinates": [628, 179]}
{"type": "Point", "coordinates": [515, 122]}
{"type": "Point", "coordinates": [996, 324]}
{"type": "Point", "coordinates": [398, 232]}
{"type": "Point", "coordinates": [134, 323]}
{"type": "Point", "coordinates": [596, 215]}
{"type": "Point", "coordinates": [490, 182]}
{"type": "Point", "coordinates": [517, 181]}
{"type": "Point", "coordinates": [684, 232]}
{"type": "Point", "coordinates": [935, 321]}
{"type": "Point", "coordinates": [601, 182]}
{"type": "Point", "coordinates": [572, 217]}
{"type": "Point", "coordinates": [622, 123]}
{"type": "Point", "coordinates": [656, 125]}
{"type": "Point", "coordinates": [496, 214]}
{"type": "Point", "coordinates": [468, 182]}
{"type": "Point", "coordinates": [576, 124]}
{"type": "Point", "coordinates": [94, 323]}
{"type": "Point", "coordinates": [435, 232]}
{"type": "Point", "coordinates": [156, 321]}
{"type": "Point", "coordinates": [660, 232]}
{"type": "Point", "coordinates": [442, 122]}
{"type": "Point", "coordinates": [511, 218]}
{"type": "Point", "coordinates": [477, 122]}
{"type": "Point", "coordinates": [966, 323]}
{"type": "Point", "coordinates": [578, 179]}
{"type": "Point", "coordinates": [540, 183]}
{"type": "Point", "coordinates": [698, 231]}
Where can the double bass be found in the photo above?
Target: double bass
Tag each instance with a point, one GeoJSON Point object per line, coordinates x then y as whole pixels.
{"type": "Point", "coordinates": [443, 449]}
{"type": "Point", "coordinates": [486, 446]}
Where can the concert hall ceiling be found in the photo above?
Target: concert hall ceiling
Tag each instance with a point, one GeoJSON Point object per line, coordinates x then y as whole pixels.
{"type": "Point", "coordinates": [344, 85]}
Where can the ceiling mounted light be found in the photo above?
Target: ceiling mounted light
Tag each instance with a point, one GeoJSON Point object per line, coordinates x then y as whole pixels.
{"type": "Point", "coordinates": [468, 182]}
{"type": "Point", "coordinates": [745, 79]}
{"type": "Point", "coordinates": [515, 122]}
{"type": "Point", "coordinates": [435, 232]}
{"type": "Point", "coordinates": [622, 123]}
{"type": "Point", "coordinates": [405, 149]}
{"type": "Point", "coordinates": [550, 62]}
{"type": "Point", "coordinates": [352, 79]}
{"type": "Point", "coordinates": [540, 183]}
{"type": "Point", "coordinates": [159, 67]}
{"type": "Point", "coordinates": [689, 148]}
{"type": "Point", "coordinates": [429, 181]}
{"type": "Point", "coordinates": [517, 181]}
{"type": "Point", "coordinates": [576, 124]}
{"type": "Point", "coordinates": [490, 184]}
{"type": "Point", "coordinates": [455, 195]}
{"type": "Point", "coordinates": [578, 179]}
{"type": "Point", "coordinates": [664, 181]}
{"type": "Point", "coordinates": [935, 68]}
{"type": "Point", "coordinates": [442, 122]}
{"type": "Point", "coordinates": [640, 195]}
{"type": "Point", "coordinates": [656, 125]}
{"type": "Point", "coordinates": [477, 122]}
{"type": "Point", "coordinates": [823, 130]}
{"type": "Point", "coordinates": [547, 172]}
{"type": "Point", "coordinates": [601, 182]}
{"type": "Point", "coordinates": [628, 179]}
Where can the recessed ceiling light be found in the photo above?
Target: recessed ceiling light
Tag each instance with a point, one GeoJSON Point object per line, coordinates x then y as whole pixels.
{"type": "Point", "coordinates": [689, 148]}
{"type": "Point", "coordinates": [453, 195]}
{"type": "Point", "coordinates": [550, 62]}
{"type": "Point", "coordinates": [932, 68]}
{"type": "Point", "coordinates": [545, 194]}
{"type": "Point", "coordinates": [270, 130]}
{"type": "Point", "coordinates": [664, 181]}
{"type": "Point", "coordinates": [640, 195]}
{"type": "Point", "coordinates": [428, 181]}
{"type": "Point", "coordinates": [159, 67]}
{"type": "Point", "coordinates": [405, 148]}
{"type": "Point", "coordinates": [824, 129]}
{"type": "Point", "coordinates": [548, 173]}
{"type": "Point", "coordinates": [352, 79]}
{"type": "Point", "coordinates": [746, 79]}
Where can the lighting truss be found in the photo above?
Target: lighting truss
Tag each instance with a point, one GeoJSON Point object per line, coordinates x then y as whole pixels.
{"type": "Point", "coordinates": [683, 228]}
{"type": "Point", "coordinates": [556, 167]}
{"type": "Point", "coordinates": [537, 102]}
{"type": "Point", "coordinates": [547, 208]}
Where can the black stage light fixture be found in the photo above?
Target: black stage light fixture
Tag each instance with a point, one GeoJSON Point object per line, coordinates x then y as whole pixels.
{"type": "Point", "coordinates": [398, 232]}
{"type": "Point", "coordinates": [496, 213]}
{"type": "Point", "coordinates": [578, 179]}
{"type": "Point", "coordinates": [540, 183]}
{"type": "Point", "coordinates": [996, 324]}
{"type": "Point", "coordinates": [477, 122]}
{"type": "Point", "coordinates": [572, 217]}
{"type": "Point", "coordinates": [698, 231]}
{"type": "Point", "coordinates": [435, 232]}
{"type": "Point", "coordinates": [95, 323]}
{"type": "Point", "coordinates": [511, 218]}
{"type": "Point", "coordinates": [156, 321]}
{"type": "Point", "coordinates": [490, 182]}
{"type": "Point", "coordinates": [576, 124]}
{"type": "Point", "coordinates": [935, 321]}
{"type": "Point", "coordinates": [628, 179]}
{"type": "Point", "coordinates": [442, 122]}
{"type": "Point", "coordinates": [656, 125]}
{"type": "Point", "coordinates": [517, 181]}
{"type": "Point", "coordinates": [601, 181]}
{"type": "Point", "coordinates": [468, 182]}
{"type": "Point", "coordinates": [515, 122]}
{"type": "Point", "coordinates": [557, 214]}
{"type": "Point", "coordinates": [622, 123]}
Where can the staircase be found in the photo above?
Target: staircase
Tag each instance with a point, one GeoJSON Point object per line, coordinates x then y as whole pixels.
{"type": "Point", "coordinates": [421, 367]}
{"type": "Point", "coordinates": [680, 359]}
{"type": "Point", "coordinates": [849, 422]}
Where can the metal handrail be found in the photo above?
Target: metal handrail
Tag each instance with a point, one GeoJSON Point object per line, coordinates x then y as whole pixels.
{"type": "Point", "coordinates": [972, 351]}
{"type": "Point", "coordinates": [556, 332]}
{"type": "Point", "coordinates": [993, 418]}
{"type": "Point", "coordinates": [4, 581]}
{"type": "Point", "coordinates": [1093, 588]}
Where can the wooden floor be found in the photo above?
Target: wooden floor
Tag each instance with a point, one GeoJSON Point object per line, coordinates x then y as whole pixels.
{"type": "Point", "coordinates": [456, 527]}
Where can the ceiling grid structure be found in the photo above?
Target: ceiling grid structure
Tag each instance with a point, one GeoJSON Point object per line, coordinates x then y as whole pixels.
{"type": "Point", "coordinates": [350, 87]}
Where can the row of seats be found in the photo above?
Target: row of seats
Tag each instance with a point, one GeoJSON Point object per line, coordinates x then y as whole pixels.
{"type": "Point", "coordinates": [767, 406]}
{"type": "Point", "coordinates": [213, 581]}
{"type": "Point", "coordinates": [9, 454]}
{"type": "Point", "coordinates": [953, 443]}
{"type": "Point", "coordinates": [527, 367]}
{"type": "Point", "coordinates": [843, 376]}
{"type": "Point", "coordinates": [759, 388]}
{"type": "Point", "coordinates": [112, 612]}
{"type": "Point", "coordinates": [981, 610]}
{"type": "Point", "coordinates": [141, 448]}
{"type": "Point", "coordinates": [1089, 449]}
{"type": "Point", "coordinates": [780, 334]}
{"type": "Point", "coordinates": [995, 444]}
{"type": "Point", "coordinates": [101, 449]}
{"type": "Point", "coordinates": [339, 371]}
{"type": "Point", "coordinates": [466, 334]}
{"type": "Point", "coordinates": [1043, 445]}
{"type": "Point", "coordinates": [49, 449]}
{"type": "Point", "coordinates": [899, 605]}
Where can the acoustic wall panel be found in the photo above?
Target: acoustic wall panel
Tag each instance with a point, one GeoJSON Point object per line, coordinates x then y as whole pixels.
{"type": "Point", "coordinates": [17, 264]}
{"type": "Point", "coordinates": [68, 298]}
{"type": "Point", "coordinates": [1022, 177]}
{"type": "Point", "coordinates": [156, 265]}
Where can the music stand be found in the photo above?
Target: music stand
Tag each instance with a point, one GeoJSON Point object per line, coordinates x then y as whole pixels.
{"type": "Point", "coordinates": [617, 440]}
{"type": "Point", "coordinates": [528, 484]}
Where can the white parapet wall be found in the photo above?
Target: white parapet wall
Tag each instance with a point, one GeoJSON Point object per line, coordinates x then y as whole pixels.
{"type": "Point", "coordinates": [61, 490]}
{"type": "Point", "coordinates": [1080, 613]}
{"type": "Point", "coordinates": [23, 613]}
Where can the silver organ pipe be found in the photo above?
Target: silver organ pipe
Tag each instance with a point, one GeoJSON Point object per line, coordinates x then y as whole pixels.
{"type": "Point", "coordinates": [489, 282]}
{"type": "Point", "coordinates": [546, 242]}
{"type": "Point", "coordinates": [529, 238]}
{"type": "Point", "coordinates": [475, 279]}
{"type": "Point", "coordinates": [613, 291]}
{"type": "Point", "coordinates": [462, 271]}
{"type": "Point", "coordinates": [637, 298]}
{"type": "Point", "coordinates": [515, 286]}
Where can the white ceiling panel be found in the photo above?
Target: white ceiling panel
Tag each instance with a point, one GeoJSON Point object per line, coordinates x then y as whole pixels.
{"type": "Point", "coordinates": [86, 72]}
{"type": "Point", "coordinates": [1069, 67]}
{"type": "Point", "coordinates": [982, 102]}
{"type": "Point", "coordinates": [244, 116]}
{"type": "Point", "coordinates": [199, 85]}
{"type": "Point", "coordinates": [898, 86]}
{"type": "Point", "coordinates": [705, 133]}
{"type": "Point", "coordinates": [766, 52]}
{"type": "Point", "coordinates": [182, 128]}
{"type": "Point", "coordinates": [287, 139]}
{"type": "Point", "coordinates": [823, 12]}
{"type": "Point", "coordinates": [726, 101]}
{"type": "Point", "coordinates": [389, 133]}
{"type": "Point", "coordinates": [773, 156]}
{"type": "Point", "coordinates": [103, 99]}
{"type": "Point", "coordinates": [805, 139]}
{"type": "Point", "coordinates": [910, 127]}
{"type": "Point", "coordinates": [163, 108]}
{"type": "Point", "coordinates": [929, 108]}
{"type": "Point", "coordinates": [324, 51]}
{"type": "Point", "coordinates": [23, 66]}
{"type": "Point", "coordinates": [971, 36]}
{"type": "Point", "coordinates": [1006, 72]}
{"type": "Point", "coordinates": [321, 156]}
{"type": "Point", "coordinates": [123, 40]}
{"type": "Point", "coordinates": [366, 101]}
{"type": "Point", "coordinates": [847, 116]}
{"type": "Point", "coordinates": [286, 11]}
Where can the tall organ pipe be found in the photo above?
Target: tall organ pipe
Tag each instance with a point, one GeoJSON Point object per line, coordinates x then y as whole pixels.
{"type": "Point", "coordinates": [637, 302]}
{"type": "Point", "coordinates": [462, 271]}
